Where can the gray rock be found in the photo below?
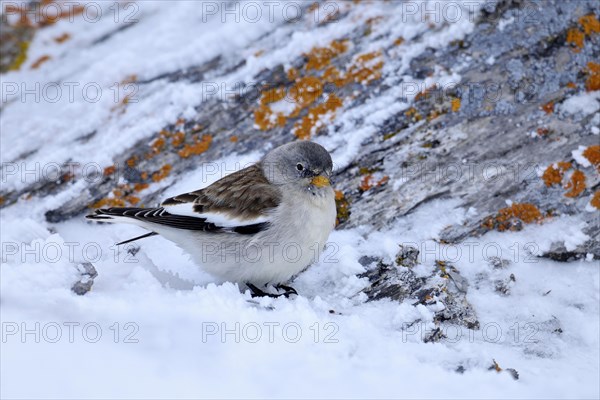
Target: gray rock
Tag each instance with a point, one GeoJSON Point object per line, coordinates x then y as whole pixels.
{"type": "Point", "coordinates": [407, 256]}
{"type": "Point", "coordinates": [88, 274]}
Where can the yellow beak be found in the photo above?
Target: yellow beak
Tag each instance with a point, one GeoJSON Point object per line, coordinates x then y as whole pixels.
{"type": "Point", "coordinates": [320, 181]}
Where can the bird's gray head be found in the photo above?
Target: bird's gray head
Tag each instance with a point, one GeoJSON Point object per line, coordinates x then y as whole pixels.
{"type": "Point", "coordinates": [304, 165]}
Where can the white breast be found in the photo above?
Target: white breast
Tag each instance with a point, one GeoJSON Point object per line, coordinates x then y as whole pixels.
{"type": "Point", "coordinates": [298, 231]}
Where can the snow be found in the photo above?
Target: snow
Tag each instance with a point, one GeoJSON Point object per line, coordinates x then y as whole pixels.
{"type": "Point", "coordinates": [580, 158]}
{"type": "Point", "coordinates": [154, 324]}
{"type": "Point", "coordinates": [173, 338]}
{"type": "Point", "coordinates": [584, 103]}
{"type": "Point", "coordinates": [505, 22]}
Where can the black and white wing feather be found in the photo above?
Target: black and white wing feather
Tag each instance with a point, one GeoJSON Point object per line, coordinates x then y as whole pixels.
{"type": "Point", "coordinates": [240, 203]}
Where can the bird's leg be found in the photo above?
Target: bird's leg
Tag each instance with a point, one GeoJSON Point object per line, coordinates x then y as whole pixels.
{"type": "Point", "coordinates": [288, 290]}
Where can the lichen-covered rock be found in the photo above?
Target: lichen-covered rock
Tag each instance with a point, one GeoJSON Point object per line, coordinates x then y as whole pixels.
{"type": "Point", "coordinates": [88, 274]}
{"type": "Point", "coordinates": [389, 281]}
{"type": "Point", "coordinates": [445, 291]}
{"type": "Point", "coordinates": [495, 118]}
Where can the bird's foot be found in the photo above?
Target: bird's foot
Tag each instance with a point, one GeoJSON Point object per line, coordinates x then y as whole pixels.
{"type": "Point", "coordinates": [257, 292]}
{"type": "Point", "coordinates": [287, 290]}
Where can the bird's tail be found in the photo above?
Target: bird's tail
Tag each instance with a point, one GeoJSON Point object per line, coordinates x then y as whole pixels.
{"type": "Point", "coordinates": [123, 214]}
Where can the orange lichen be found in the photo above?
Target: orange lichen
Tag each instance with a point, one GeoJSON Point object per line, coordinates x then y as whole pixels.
{"type": "Point", "coordinates": [292, 74]}
{"type": "Point", "coordinates": [554, 175]}
{"type": "Point", "coordinates": [320, 57]}
{"type": "Point", "coordinates": [366, 68]}
{"type": "Point", "coordinates": [162, 173]}
{"type": "Point", "coordinates": [131, 161]}
{"type": "Point", "coordinates": [129, 79]}
{"type": "Point", "coordinates": [198, 147]}
{"type": "Point", "coordinates": [374, 20]}
{"type": "Point", "coordinates": [434, 114]}
{"type": "Point", "coordinates": [571, 85]}
{"type": "Point", "coordinates": [526, 212]}
{"type": "Point", "coordinates": [178, 139]}
{"type": "Point", "coordinates": [272, 95]}
{"type": "Point", "coordinates": [342, 206]}
{"type": "Point", "coordinates": [576, 38]}
{"type": "Point", "coordinates": [158, 144]}
{"type": "Point", "coordinates": [138, 187]}
{"type": "Point", "coordinates": [109, 202]}
{"type": "Point", "coordinates": [365, 183]}
{"type": "Point", "coordinates": [1, 200]}
{"type": "Point", "coordinates": [368, 183]}
{"type": "Point", "coordinates": [496, 366]}
{"type": "Point", "coordinates": [23, 21]}
{"type": "Point", "coordinates": [124, 194]}
{"type": "Point", "coordinates": [12, 9]}
{"type": "Point", "coordinates": [233, 139]}
{"type": "Point", "coordinates": [62, 38]}
{"type": "Point", "coordinates": [592, 153]}
{"type": "Point", "coordinates": [40, 61]}
{"type": "Point", "coordinates": [117, 198]}
{"type": "Point", "coordinates": [67, 177]}
{"type": "Point", "coordinates": [543, 131]}
{"type": "Point", "coordinates": [49, 18]}
{"type": "Point", "coordinates": [314, 6]}
{"type": "Point", "coordinates": [424, 94]}
{"type": "Point", "coordinates": [399, 41]}
{"type": "Point", "coordinates": [133, 200]}
{"type": "Point", "coordinates": [332, 16]}
{"type": "Point", "coordinates": [307, 89]}
{"type": "Point", "coordinates": [576, 185]}
{"type": "Point", "coordinates": [548, 108]}
{"type": "Point", "coordinates": [259, 53]}
{"type": "Point", "coordinates": [593, 81]}
{"type": "Point", "coordinates": [305, 92]}
{"type": "Point", "coordinates": [264, 117]}
{"type": "Point", "coordinates": [333, 75]}
{"type": "Point", "coordinates": [109, 170]}
{"type": "Point", "coordinates": [413, 114]}
{"type": "Point", "coordinates": [33, 16]}
{"type": "Point", "coordinates": [512, 218]}
{"type": "Point", "coordinates": [455, 104]}
{"type": "Point", "coordinates": [595, 201]}
{"type": "Point", "coordinates": [126, 99]}
{"type": "Point", "coordinates": [316, 116]}
{"type": "Point", "coordinates": [590, 24]}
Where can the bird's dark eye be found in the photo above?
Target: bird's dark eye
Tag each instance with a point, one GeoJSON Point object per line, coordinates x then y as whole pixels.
{"type": "Point", "coordinates": [299, 167]}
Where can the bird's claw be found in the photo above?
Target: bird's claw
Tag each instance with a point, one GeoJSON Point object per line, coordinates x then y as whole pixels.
{"type": "Point", "coordinates": [287, 290]}
{"type": "Point", "coordinates": [257, 292]}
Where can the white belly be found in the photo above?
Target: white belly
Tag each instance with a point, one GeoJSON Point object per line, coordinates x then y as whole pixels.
{"type": "Point", "coordinates": [294, 240]}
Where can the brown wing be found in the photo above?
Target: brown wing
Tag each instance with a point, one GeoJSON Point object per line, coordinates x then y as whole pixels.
{"type": "Point", "coordinates": [245, 194]}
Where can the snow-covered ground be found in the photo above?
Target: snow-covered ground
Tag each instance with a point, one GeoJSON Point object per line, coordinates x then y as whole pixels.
{"type": "Point", "coordinates": [154, 326]}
